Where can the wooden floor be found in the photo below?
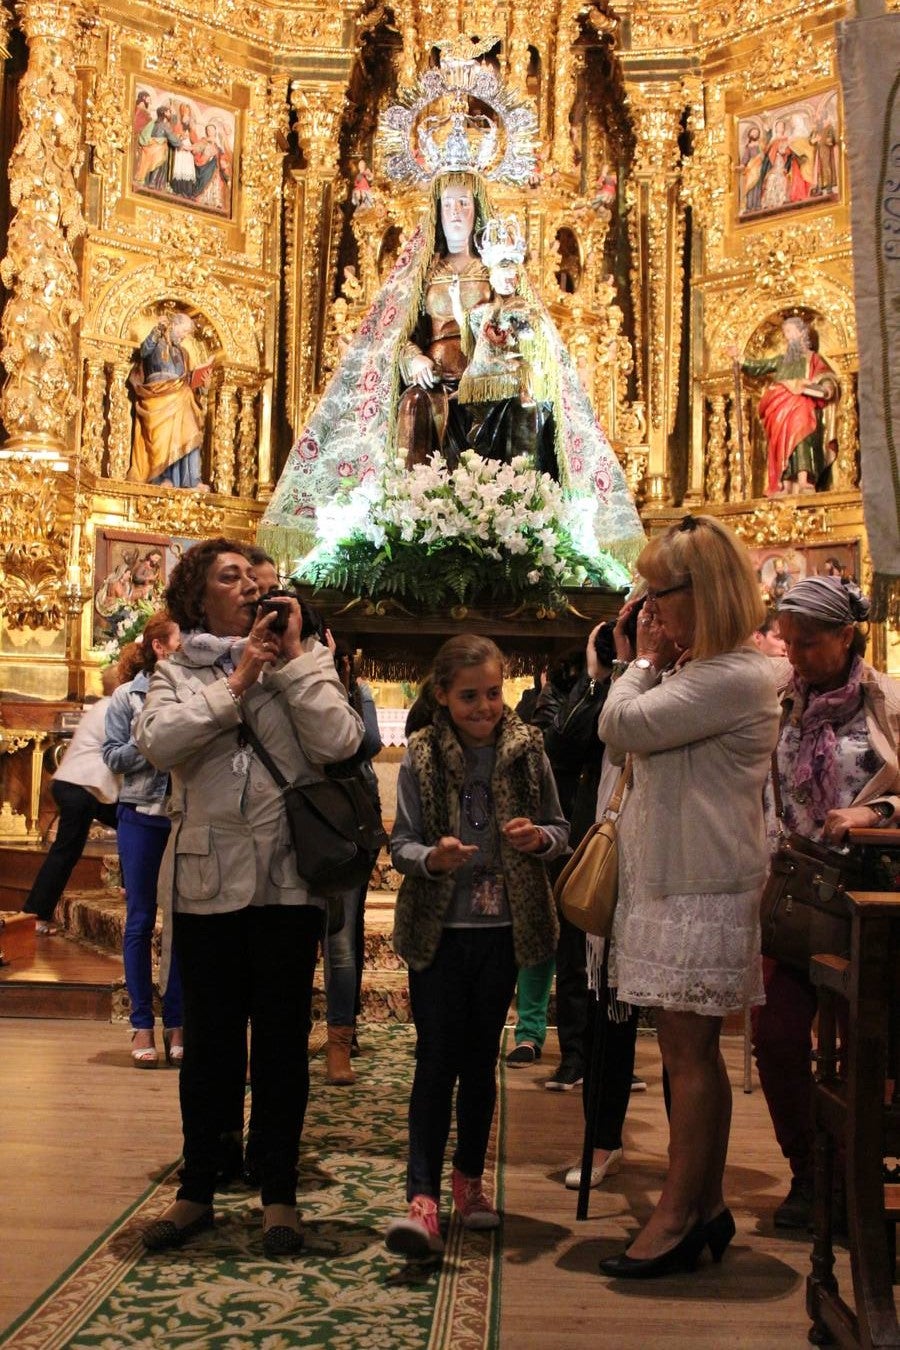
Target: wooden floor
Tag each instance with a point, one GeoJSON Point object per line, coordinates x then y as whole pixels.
{"type": "Point", "coordinates": [82, 1135]}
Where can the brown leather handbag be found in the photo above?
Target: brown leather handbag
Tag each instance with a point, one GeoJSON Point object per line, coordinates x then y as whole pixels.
{"type": "Point", "coordinates": [587, 888]}
{"type": "Point", "coordinates": [804, 910]}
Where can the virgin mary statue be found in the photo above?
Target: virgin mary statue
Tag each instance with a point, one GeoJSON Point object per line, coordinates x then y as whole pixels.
{"type": "Point", "coordinates": [393, 397]}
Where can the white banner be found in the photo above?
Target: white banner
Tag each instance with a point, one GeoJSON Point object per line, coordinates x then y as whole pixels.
{"type": "Point", "coordinates": [869, 60]}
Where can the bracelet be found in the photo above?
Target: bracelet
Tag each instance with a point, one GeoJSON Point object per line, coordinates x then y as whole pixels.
{"type": "Point", "coordinates": [236, 698]}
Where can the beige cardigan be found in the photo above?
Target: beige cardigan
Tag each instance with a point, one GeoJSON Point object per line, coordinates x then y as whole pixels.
{"type": "Point", "coordinates": [702, 739]}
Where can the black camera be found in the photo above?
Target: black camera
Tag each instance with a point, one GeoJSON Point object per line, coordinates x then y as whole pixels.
{"type": "Point", "coordinates": [629, 628]}
{"type": "Point", "coordinates": [272, 603]}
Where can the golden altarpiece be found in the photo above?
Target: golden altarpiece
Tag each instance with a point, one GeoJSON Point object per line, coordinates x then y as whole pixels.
{"type": "Point", "coordinates": [648, 240]}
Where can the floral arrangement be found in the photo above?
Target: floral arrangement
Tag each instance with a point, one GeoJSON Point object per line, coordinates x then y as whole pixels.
{"type": "Point", "coordinates": [437, 537]}
{"type": "Point", "coordinates": [128, 629]}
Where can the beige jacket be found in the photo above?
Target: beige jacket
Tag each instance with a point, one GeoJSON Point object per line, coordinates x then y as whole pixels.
{"type": "Point", "coordinates": [702, 740]}
{"type": "Point", "coordinates": [230, 846]}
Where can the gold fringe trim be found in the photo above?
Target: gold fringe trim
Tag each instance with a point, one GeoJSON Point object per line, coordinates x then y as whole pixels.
{"type": "Point", "coordinates": [287, 543]}
{"type": "Point", "coordinates": [885, 599]}
{"type": "Point", "coordinates": [490, 388]}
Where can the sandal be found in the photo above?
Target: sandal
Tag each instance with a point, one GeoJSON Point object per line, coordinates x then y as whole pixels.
{"type": "Point", "coordinates": [143, 1056]}
{"type": "Point", "coordinates": [44, 928]}
{"type": "Point", "coordinates": [174, 1049]}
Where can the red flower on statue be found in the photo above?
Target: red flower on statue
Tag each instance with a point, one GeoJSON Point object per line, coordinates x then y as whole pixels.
{"type": "Point", "coordinates": [307, 448]}
{"type": "Point", "coordinates": [368, 410]}
{"type": "Point", "coordinates": [603, 481]}
{"type": "Point", "coordinates": [369, 380]}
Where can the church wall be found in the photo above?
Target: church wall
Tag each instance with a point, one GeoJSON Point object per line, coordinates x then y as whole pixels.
{"type": "Point", "coordinates": [644, 110]}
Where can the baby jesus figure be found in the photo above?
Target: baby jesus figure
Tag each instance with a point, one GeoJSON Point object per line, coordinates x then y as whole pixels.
{"type": "Point", "coordinates": [504, 383]}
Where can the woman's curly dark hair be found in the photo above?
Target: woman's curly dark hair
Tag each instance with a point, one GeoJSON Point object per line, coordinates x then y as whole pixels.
{"type": "Point", "coordinates": [187, 584]}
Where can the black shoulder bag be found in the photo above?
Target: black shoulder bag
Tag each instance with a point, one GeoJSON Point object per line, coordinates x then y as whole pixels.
{"type": "Point", "coordinates": [335, 826]}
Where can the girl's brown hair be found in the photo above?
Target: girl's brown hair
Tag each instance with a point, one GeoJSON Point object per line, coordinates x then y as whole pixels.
{"type": "Point", "coordinates": [458, 653]}
{"type": "Point", "coordinates": [140, 656]}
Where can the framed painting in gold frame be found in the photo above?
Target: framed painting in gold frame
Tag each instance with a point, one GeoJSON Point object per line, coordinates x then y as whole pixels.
{"type": "Point", "coordinates": [183, 147]}
{"type": "Point", "coordinates": [781, 566]}
{"type": "Point", "coordinates": [788, 156]}
{"type": "Point", "coordinates": [130, 575]}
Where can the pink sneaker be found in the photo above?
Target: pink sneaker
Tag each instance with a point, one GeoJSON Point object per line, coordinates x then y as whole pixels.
{"type": "Point", "coordinates": [418, 1236]}
{"type": "Point", "coordinates": [471, 1203]}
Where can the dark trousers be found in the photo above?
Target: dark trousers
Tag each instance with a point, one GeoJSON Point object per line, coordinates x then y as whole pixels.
{"type": "Point", "coordinates": [459, 1005]}
{"type": "Point", "coordinates": [782, 1044]}
{"type": "Point", "coordinates": [617, 1066]}
{"type": "Point", "coordinates": [571, 993]}
{"type": "Point", "coordinates": [78, 809]}
{"type": "Point", "coordinates": [256, 964]}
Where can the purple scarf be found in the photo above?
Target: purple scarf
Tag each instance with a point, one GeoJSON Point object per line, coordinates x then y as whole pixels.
{"type": "Point", "coordinates": [816, 767]}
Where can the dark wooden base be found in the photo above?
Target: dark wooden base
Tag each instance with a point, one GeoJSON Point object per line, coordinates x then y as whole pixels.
{"type": "Point", "coordinates": [399, 643]}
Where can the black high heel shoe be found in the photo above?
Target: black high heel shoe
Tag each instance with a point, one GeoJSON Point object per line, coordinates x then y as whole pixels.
{"type": "Point", "coordinates": [683, 1256]}
{"type": "Point", "coordinates": [719, 1232]}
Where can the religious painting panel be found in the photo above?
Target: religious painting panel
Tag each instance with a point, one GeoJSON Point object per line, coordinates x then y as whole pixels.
{"type": "Point", "coordinates": [183, 148]}
{"type": "Point", "coordinates": [788, 156]}
{"type": "Point", "coordinates": [130, 575]}
{"type": "Point", "coordinates": [781, 566]}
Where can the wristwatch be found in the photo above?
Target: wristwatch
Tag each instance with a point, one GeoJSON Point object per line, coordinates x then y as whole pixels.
{"type": "Point", "coordinates": [883, 809]}
{"type": "Point", "coordinates": [643, 664]}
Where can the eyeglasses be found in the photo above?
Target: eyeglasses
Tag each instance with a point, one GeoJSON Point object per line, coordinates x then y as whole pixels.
{"type": "Point", "coordinates": [651, 594]}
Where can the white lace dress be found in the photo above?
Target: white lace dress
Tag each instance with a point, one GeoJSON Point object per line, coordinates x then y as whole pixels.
{"type": "Point", "coordinates": [685, 953]}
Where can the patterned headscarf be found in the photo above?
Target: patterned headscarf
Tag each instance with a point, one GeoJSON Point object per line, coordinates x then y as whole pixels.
{"type": "Point", "coordinates": [832, 603]}
{"type": "Point", "coordinates": [826, 600]}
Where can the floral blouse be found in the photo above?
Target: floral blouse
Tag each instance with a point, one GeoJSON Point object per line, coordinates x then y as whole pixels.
{"type": "Point", "coordinates": [855, 764]}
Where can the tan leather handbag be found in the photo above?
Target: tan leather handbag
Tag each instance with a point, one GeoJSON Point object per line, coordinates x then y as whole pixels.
{"type": "Point", "coordinates": [587, 888]}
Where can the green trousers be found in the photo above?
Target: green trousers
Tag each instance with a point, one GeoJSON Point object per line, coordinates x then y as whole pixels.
{"type": "Point", "coordinates": [532, 997]}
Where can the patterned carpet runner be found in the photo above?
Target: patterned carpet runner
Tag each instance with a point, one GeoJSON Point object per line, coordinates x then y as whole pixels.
{"type": "Point", "coordinates": [345, 1289]}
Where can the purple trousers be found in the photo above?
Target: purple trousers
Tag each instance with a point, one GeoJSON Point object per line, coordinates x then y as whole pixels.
{"type": "Point", "coordinates": [782, 1044]}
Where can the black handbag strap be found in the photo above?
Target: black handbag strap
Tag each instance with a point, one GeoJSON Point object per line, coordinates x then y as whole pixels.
{"type": "Point", "coordinates": [246, 733]}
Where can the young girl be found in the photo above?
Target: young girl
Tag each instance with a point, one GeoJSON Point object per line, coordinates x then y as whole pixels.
{"type": "Point", "coordinates": [477, 819]}
{"type": "Point", "coordinates": [142, 828]}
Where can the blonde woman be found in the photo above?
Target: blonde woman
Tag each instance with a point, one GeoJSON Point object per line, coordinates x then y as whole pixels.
{"type": "Point", "coordinates": [697, 711]}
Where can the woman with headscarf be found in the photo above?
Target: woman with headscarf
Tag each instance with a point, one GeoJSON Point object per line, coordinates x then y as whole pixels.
{"type": "Point", "coordinates": [837, 767]}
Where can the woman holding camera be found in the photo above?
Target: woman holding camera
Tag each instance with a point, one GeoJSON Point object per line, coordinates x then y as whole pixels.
{"type": "Point", "coordinates": [697, 711]}
{"type": "Point", "coordinates": [246, 928]}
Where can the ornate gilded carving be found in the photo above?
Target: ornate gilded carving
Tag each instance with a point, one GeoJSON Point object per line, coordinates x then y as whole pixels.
{"type": "Point", "coordinates": [777, 521]}
{"type": "Point", "coordinates": [37, 328]}
{"type": "Point", "coordinates": [181, 514]}
{"type": "Point", "coordinates": [33, 545]}
{"type": "Point", "coordinates": [318, 106]}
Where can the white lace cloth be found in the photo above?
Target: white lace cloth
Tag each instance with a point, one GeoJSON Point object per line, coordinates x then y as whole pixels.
{"type": "Point", "coordinates": [686, 953]}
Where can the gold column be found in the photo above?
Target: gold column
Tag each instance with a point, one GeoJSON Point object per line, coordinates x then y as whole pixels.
{"type": "Point", "coordinates": [93, 422]}
{"type": "Point", "coordinates": [565, 86]}
{"type": "Point", "coordinates": [716, 450]}
{"type": "Point", "coordinates": [119, 420]}
{"type": "Point", "coordinates": [319, 106]}
{"type": "Point", "coordinates": [224, 438]}
{"type": "Point", "coordinates": [246, 440]}
{"type": "Point", "coordinates": [37, 328]}
{"type": "Point", "coordinates": [656, 224]}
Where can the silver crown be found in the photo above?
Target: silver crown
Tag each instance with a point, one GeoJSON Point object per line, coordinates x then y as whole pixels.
{"type": "Point", "coordinates": [435, 129]}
